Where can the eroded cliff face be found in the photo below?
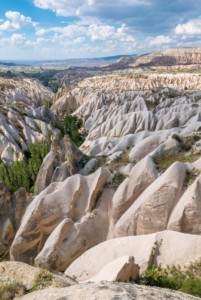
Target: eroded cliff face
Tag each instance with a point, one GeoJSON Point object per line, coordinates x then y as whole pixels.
{"type": "Point", "coordinates": [131, 124]}
{"type": "Point", "coordinates": [132, 189]}
{"type": "Point", "coordinates": [24, 116]}
{"type": "Point", "coordinates": [170, 57]}
{"type": "Point", "coordinates": [71, 97]}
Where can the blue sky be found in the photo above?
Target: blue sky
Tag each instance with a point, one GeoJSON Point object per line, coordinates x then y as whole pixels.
{"type": "Point", "coordinates": [59, 29]}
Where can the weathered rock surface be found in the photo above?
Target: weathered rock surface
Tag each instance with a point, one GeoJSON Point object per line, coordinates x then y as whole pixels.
{"type": "Point", "coordinates": [171, 57]}
{"type": "Point", "coordinates": [186, 216]}
{"type": "Point", "coordinates": [12, 208]}
{"type": "Point", "coordinates": [23, 117]}
{"type": "Point", "coordinates": [141, 176]}
{"type": "Point", "coordinates": [72, 212]}
{"type": "Point", "coordinates": [121, 269]}
{"type": "Point", "coordinates": [130, 121]}
{"type": "Point", "coordinates": [108, 291]}
{"type": "Point", "coordinates": [163, 248]}
{"type": "Point", "coordinates": [151, 210]}
{"type": "Point", "coordinates": [28, 276]}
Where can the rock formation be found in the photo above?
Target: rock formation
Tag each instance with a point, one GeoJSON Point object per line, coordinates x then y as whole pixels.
{"type": "Point", "coordinates": [108, 291]}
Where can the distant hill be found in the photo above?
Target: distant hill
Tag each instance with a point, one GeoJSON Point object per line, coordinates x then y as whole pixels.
{"type": "Point", "coordinates": [77, 62]}
{"type": "Point", "coordinates": [170, 57]}
{"type": "Point", "coordinates": [7, 64]}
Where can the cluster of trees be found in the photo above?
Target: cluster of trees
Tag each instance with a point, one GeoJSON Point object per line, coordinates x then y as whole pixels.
{"type": "Point", "coordinates": [24, 173]}
{"type": "Point", "coordinates": [71, 125]}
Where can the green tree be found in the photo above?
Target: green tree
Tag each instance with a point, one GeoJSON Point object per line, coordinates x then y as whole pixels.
{"type": "Point", "coordinates": [37, 153]}
{"type": "Point", "coordinates": [70, 125]}
{"type": "Point", "coordinates": [24, 173]}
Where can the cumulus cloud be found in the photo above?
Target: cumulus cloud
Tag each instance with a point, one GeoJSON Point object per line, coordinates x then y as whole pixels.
{"type": "Point", "coordinates": [159, 40]}
{"type": "Point", "coordinates": [85, 7]}
{"type": "Point", "coordinates": [192, 27]}
{"type": "Point", "coordinates": [17, 39]}
{"type": "Point", "coordinates": [93, 32]}
{"type": "Point", "coordinates": [15, 21]}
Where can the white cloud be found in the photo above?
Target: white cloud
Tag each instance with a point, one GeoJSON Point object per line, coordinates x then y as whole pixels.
{"type": "Point", "coordinates": [16, 21]}
{"type": "Point", "coordinates": [93, 32]}
{"type": "Point", "coordinates": [61, 7]}
{"type": "Point", "coordinates": [17, 39]}
{"type": "Point", "coordinates": [192, 27]}
{"type": "Point", "coordinates": [160, 39]}
{"type": "Point", "coordinates": [82, 7]}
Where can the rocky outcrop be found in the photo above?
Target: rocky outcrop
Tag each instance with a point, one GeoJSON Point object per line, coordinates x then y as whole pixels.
{"type": "Point", "coordinates": [27, 91]}
{"type": "Point", "coordinates": [165, 248]}
{"type": "Point", "coordinates": [108, 291]}
{"type": "Point", "coordinates": [121, 269]}
{"type": "Point", "coordinates": [31, 277]}
{"type": "Point", "coordinates": [141, 176]}
{"type": "Point", "coordinates": [151, 211]}
{"type": "Point", "coordinates": [68, 214]}
{"type": "Point", "coordinates": [12, 208]}
{"type": "Point", "coordinates": [64, 160]}
{"type": "Point", "coordinates": [170, 57]}
{"type": "Point", "coordinates": [131, 123]}
{"type": "Point", "coordinates": [23, 117]}
{"type": "Point", "coordinates": [187, 213]}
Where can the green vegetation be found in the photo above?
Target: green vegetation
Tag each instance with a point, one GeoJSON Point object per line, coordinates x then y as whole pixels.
{"type": "Point", "coordinates": [70, 125]}
{"type": "Point", "coordinates": [186, 281]}
{"type": "Point", "coordinates": [183, 155]}
{"type": "Point", "coordinates": [118, 178]}
{"type": "Point", "coordinates": [152, 104]}
{"type": "Point", "coordinates": [11, 290]}
{"type": "Point", "coordinates": [165, 162]}
{"type": "Point", "coordinates": [24, 173]}
{"type": "Point", "coordinates": [185, 146]}
{"type": "Point", "coordinates": [42, 280]}
{"type": "Point", "coordinates": [36, 153]}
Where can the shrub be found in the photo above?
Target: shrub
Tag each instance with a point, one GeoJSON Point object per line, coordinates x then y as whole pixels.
{"type": "Point", "coordinates": [21, 173]}
{"type": "Point", "coordinates": [157, 277]}
{"type": "Point", "coordinates": [42, 280]}
{"type": "Point", "coordinates": [187, 280]}
{"type": "Point", "coordinates": [184, 146]}
{"type": "Point", "coordinates": [70, 125]}
{"type": "Point", "coordinates": [118, 178]}
{"type": "Point", "coordinates": [36, 153]}
{"type": "Point", "coordinates": [11, 290]}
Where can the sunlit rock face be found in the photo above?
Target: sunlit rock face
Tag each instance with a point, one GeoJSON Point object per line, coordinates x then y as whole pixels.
{"type": "Point", "coordinates": [140, 177]}
{"type": "Point", "coordinates": [24, 116]}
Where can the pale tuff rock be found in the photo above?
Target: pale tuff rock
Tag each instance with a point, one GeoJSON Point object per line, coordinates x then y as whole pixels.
{"type": "Point", "coordinates": [186, 216]}
{"type": "Point", "coordinates": [76, 198]}
{"type": "Point", "coordinates": [197, 164]}
{"type": "Point", "coordinates": [46, 171]}
{"type": "Point", "coordinates": [141, 176]}
{"type": "Point", "coordinates": [92, 261]}
{"type": "Point", "coordinates": [23, 118]}
{"type": "Point", "coordinates": [124, 124]}
{"type": "Point", "coordinates": [70, 239]}
{"type": "Point", "coordinates": [89, 167]}
{"type": "Point", "coordinates": [163, 248]}
{"type": "Point", "coordinates": [121, 269]}
{"type": "Point", "coordinates": [26, 90]}
{"type": "Point", "coordinates": [169, 147]}
{"type": "Point", "coordinates": [144, 147]}
{"type": "Point", "coordinates": [12, 272]}
{"type": "Point", "coordinates": [171, 57]}
{"type": "Point", "coordinates": [108, 291]}
{"type": "Point", "coordinates": [152, 209]}
{"type": "Point", "coordinates": [12, 208]}
{"type": "Point", "coordinates": [62, 161]}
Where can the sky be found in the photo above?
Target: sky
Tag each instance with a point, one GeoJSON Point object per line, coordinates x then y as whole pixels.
{"type": "Point", "coordinates": [64, 29]}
